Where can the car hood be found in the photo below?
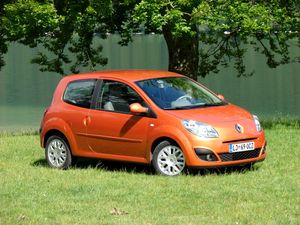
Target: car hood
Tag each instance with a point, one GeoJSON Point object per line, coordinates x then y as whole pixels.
{"type": "Point", "coordinates": [213, 114]}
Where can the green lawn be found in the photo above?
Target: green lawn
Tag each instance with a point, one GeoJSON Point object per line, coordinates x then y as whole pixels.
{"type": "Point", "coordinates": [96, 192]}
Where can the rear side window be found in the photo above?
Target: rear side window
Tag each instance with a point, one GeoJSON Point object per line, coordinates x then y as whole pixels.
{"type": "Point", "coordinates": [80, 93]}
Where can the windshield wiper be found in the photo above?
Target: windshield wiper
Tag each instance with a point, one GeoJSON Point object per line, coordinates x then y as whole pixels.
{"type": "Point", "coordinates": [196, 106]}
{"type": "Point", "coordinates": [213, 104]}
{"type": "Point", "coordinates": [180, 107]}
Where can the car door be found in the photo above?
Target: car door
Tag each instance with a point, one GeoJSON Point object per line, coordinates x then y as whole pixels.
{"type": "Point", "coordinates": [112, 129]}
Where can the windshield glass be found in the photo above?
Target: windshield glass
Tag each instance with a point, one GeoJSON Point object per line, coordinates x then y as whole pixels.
{"type": "Point", "coordinates": [178, 93]}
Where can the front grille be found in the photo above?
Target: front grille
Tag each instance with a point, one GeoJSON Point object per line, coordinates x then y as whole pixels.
{"type": "Point", "coordinates": [239, 155]}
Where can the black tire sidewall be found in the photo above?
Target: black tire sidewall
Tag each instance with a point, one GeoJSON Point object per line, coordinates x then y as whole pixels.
{"type": "Point", "coordinates": [68, 161]}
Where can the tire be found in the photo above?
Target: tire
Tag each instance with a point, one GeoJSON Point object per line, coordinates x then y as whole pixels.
{"type": "Point", "coordinates": [58, 154]}
{"type": "Point", "coordinates": [168, 159]}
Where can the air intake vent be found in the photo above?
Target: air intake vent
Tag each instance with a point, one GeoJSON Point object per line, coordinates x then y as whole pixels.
{"type": "Point", "coordinates": [239, 155]}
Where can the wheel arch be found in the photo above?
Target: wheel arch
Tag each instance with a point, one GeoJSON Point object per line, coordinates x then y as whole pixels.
{"type": "Point", "coordinates": [161, 139]}
{"type": "Point", "coordinates": [53, 132]}
{"type": "Point", "coordinates": [179, 140]}
{"type": "Point", "coordinates": [59, 127]}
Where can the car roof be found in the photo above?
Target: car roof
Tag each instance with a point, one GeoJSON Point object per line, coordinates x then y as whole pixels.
{"type": "Point", "coordinates": [128, 75]}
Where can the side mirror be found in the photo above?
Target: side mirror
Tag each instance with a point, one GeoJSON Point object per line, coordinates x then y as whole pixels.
{"type": "Point", "coordinates": [137, 108]}
{"type": "Point", "coordinates": [221, 97]}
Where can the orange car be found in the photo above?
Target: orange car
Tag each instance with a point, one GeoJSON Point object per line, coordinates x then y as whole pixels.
{"type": "Point", "coordinates": [155, 117]}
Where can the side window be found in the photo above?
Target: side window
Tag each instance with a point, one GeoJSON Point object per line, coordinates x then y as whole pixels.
{"type": "Point", "coordinates": [80, 93]}
{"type": "Point", "coordinates": [117, 96]}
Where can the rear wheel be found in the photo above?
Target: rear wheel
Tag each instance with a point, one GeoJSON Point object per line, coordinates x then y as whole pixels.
{"type": "Point", "coordinates": [58, 154]}
{"type": "Point", "coordinates": [168, 159]}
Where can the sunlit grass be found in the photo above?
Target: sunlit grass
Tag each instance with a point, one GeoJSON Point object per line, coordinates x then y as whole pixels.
{"type": "Point", "coordinates": [96, 192]}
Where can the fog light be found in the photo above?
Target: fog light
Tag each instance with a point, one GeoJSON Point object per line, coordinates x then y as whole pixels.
{"type": "Point", "coordinates": [205, 154]}
{"type": "Point", "coordinates": [209, 157]}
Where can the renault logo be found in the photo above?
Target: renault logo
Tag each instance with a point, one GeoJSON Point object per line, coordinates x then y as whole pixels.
{"type": "Point", "coordinates": [239, 128]}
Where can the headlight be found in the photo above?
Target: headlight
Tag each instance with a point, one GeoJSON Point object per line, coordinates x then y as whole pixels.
{"type": "Point", "coordinates": [257, 123]}
{"type": "Point", "coordinates": [200, 129]}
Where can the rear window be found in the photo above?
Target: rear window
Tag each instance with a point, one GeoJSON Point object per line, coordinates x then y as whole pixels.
{"type": "Point", "coordinates": [80, 93]}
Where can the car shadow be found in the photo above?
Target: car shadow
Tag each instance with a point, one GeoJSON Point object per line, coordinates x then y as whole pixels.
{"type": "Point", "coordinates": [40, 163]}
{"type": "Point", "coordinates": [223, 170]}
{"type": "Point", "coordinates": [117, 166]}
{"type": "Point", "coordinates": [107, 165]}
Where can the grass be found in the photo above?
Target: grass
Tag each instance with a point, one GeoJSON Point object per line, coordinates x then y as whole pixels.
{"type": "Point", "coordinates": [277, 122]}
{"type": "Point", "coordinates": [96, 192]}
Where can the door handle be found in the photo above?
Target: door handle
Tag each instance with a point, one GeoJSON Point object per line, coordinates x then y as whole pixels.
{"type": "Point", "coordinates": [86, 120]}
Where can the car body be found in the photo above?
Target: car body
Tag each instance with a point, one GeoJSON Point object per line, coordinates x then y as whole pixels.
{"type": "Point", "coordinates": [157, 117]}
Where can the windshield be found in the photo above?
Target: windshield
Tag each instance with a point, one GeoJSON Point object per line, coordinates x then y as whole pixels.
{"type": "Point", "coordinates": [178, 93]}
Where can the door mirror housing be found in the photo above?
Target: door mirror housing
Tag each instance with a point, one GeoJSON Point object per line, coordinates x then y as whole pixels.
{"type": "Point", "coordinates": [221, 97]}
{"type": "Point", "coordinates": [137, 108]}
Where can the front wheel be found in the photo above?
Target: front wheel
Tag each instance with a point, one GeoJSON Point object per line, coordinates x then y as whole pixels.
{"type": "Point", "coordinates": [168, 159]}
{"type": "Point", "coordinates": [58, 154]}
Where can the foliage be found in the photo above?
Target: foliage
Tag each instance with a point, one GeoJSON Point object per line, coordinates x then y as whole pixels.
{"type": "Point", "coordinates": [224, 30]}
{"type": "Point", "coordinates": [58, 26]}
{"type": "Point", "coordinates": [201, 36]}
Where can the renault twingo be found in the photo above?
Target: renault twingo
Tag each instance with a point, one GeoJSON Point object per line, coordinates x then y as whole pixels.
{"type": "Point", "coordinates": [153, 117]}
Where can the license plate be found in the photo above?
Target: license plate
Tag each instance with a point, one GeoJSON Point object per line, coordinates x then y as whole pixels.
{"type": "Point", "coordinates": [241, 147]}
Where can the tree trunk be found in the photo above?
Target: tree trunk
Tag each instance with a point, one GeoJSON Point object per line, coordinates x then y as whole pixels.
{"type": "Point", "coordinates": [183, 53]}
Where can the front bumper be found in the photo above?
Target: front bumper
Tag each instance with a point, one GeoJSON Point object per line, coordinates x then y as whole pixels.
{"type": "Point", "coordinates": [215, 153]}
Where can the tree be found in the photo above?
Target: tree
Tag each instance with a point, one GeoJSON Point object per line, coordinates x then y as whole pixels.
{"type": "Point", "coordinates": [201, 36]}
{"type": "Point", "coordinates": [3, 45]}
{"type": "Point", "coordinates": [58, 26]}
